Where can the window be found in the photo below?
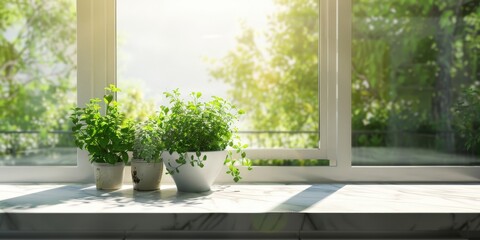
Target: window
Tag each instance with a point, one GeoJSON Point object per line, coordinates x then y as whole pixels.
{"type": "Point", "coordinates": [346, 30]}
{"type": "Point", "coordinates": [38, 48]}
{"type": "Point", "coordinates": [413, 66]}
{"type": "Point", "coordinates": [261, 54]}
{"type": "Point", "coordinates": [338, 46]}
{"type": "Point", "coordinates": [37, 82]}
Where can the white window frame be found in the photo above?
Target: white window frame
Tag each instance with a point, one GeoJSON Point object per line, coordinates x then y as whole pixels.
{"type": "Point", "coordinates": [96, 39]}
{"type": "Point", "coordinates": [335, 125]}
{"type": "Point", "coordinates": [96, 51]}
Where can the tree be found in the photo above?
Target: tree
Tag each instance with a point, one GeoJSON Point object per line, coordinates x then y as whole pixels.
{"type": "Point", "coordinates": [413, 57]}
{"type": "Point", "coordinates": [278, 86]}
{"type": "Point", "coordinates": [409, 58]}
{"type": "Point", "coordinates": [37, 69]}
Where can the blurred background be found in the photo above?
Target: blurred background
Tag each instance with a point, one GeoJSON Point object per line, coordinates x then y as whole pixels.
{"type": "Point", "coordinates": [415, 74]}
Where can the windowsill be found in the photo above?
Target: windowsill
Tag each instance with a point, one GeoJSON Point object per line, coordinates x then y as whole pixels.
{"type": "Point", "coordinates": [244, 208]}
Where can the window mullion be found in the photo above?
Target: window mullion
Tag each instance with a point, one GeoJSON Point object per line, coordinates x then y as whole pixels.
{"type": "Point", "coordinates": [328, 106]}
{"type": "Point", "coordinates": [343, 60]}
{"type": "Point", "coordinates": [323, 80]}
{"type": "Point", "coordinates": [96, 55]}
{"type": "Point", "coordinates": [96, 48]}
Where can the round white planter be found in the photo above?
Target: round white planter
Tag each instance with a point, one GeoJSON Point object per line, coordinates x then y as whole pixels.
{"type": "Point", "coordinates": [108, 176]}
{"type": "Point", "coordinates": [195, 179]}
{"type": "Point", "coordinates": [146, 176]}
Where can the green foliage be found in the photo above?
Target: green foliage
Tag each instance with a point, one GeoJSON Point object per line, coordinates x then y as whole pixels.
{"type": "Point", "coordinates": [468, 112]}
{"type": "Point", "coordinates": [134, 105]}
{"type": "Point", "coordinates": [409, 60]}
{"type": "Point", "coordinates": [147, 144]}
{"type": "Point", "coordinates": [291, 162]}
{"type": "Point", "coordinates": [107, 137]}
{"type": "Point", "coordinates": [282, 76]}
{"type": "Point", "coordinates": [197, 126]}
{"type": "Point", "coordinates": [37, 71]}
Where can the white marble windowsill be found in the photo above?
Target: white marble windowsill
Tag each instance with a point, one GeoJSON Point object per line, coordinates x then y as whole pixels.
{"type": "Point", "coordinates": [319, 198]}
{"type": "Point", "coordinates": [253, 209]}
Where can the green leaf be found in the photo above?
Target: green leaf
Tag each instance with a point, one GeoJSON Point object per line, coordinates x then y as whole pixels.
{"type": "Point", "coordinates": [108, 98]}
{"type": "Point", "coordinates": [125, 157]}
{"type": "Point", "coordinates": [197, 126]}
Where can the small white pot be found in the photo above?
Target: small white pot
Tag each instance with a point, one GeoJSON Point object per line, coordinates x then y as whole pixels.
{"type": "Point", "coordinates": [146, 176]}
{"type": "Point", "coordinates": [108, 176]}
{"type": "Point", "coordinates": [195, 179]}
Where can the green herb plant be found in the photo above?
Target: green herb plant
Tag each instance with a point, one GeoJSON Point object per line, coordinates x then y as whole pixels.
{"type": "Point", "coordinates": [197, 126]}
{"type": "Point", "coordinates": [147, 144]}
{"type": "Point", "coordinates": [107, 137]}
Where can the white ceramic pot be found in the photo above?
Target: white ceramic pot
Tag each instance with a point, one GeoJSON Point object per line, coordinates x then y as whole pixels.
{"type": "Point", "coordinates": [195, 179]}
{"type": "Point", "coordinates": [108, 176]}
{"type": "Point", "coordinates": [146, 176]}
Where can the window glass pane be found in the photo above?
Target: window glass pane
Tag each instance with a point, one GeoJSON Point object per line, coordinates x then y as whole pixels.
{"type": "Point", "coordinates": [261, 54]}
{"type": "Point", "coordinates": [37, 82]}
{"type": "Point", "coordinates": [415, 82]}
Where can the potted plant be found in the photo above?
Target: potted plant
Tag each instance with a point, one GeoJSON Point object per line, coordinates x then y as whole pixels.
{"type": "Point", "coordinates": [147, 164]}
{"type": "Point", "coordinates": [107, 137]}
{"type": "Point", "coordinates": [196, 135]}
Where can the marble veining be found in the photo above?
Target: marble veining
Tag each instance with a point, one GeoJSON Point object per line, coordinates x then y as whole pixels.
{"type": "Point", "coordinates": [255, 207]}
{"type": "Point", "coordinates": [323, 198]}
